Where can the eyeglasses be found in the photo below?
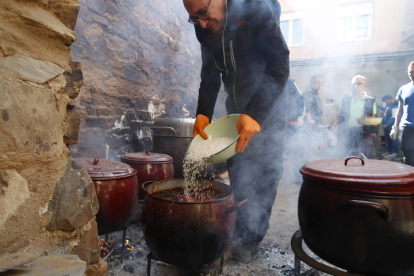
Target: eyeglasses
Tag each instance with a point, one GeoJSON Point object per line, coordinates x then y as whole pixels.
{"type": "Point", "coordinates": [358, 83]}
{"type": "Point", "coordinates": [203, 15]}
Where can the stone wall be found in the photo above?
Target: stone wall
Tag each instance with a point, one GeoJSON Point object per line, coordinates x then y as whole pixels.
{"type": "Point", "coordinates": [140, 60]}
{"type": "Point", "coordinates": [38, 83]}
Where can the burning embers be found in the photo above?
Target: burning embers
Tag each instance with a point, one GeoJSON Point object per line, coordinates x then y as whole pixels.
{"type": "Point", "coordinates": [111, 250]}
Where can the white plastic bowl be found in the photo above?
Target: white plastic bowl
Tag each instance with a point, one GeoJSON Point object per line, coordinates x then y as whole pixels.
{"type": "Point", "coordinates": [222, 127]}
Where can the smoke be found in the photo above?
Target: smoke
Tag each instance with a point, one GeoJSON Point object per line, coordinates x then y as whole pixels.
{"type": "Point", "coordinates": [138, 57]}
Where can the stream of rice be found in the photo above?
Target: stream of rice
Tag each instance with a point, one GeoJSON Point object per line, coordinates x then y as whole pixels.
{"type": "Point", "coordinates": [195, 165]}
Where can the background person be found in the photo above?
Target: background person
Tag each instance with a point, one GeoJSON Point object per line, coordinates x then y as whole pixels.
{"type": "Point", "coordinates": [404, 119]}
{"type": "Point", "coordinates": [390, 110]}
{"type": "Point", "coordinates": [313, 105]}
{"type": "Point", "coordinates": [243, 47]}
{"type": "Point", "coordinates": [294, 142]}
{"type": "Point", "coordinates": [347, 124]}
{"type": "Point", "coordinates": [312, 118]}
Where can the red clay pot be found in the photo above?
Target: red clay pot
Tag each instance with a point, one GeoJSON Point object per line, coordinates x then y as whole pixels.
{"type": "Point", "coordinates": [150, 166]}
{"type": "Point", "coordinates": [116, 186]}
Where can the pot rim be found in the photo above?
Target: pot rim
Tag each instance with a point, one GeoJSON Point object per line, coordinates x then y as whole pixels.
{"type": "Point", "coordinates": [396, 179]}
{"type": "Point", "coordinates": [95, 178]}
{"type": "Point", "coordinates": [189, 203]}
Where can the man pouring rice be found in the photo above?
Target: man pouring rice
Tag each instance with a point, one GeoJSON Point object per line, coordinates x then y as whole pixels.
{"type": "Point", "coordinates": [241, 42]}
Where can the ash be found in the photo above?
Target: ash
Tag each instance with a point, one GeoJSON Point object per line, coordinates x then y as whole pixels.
{"type": "Point", "coordinates": [272, 260]}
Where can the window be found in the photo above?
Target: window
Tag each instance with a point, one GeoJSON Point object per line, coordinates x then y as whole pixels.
{"type": "Point", "coordinates": [355, 22]}
{"type": "Point", "coordinates": [291, 25]}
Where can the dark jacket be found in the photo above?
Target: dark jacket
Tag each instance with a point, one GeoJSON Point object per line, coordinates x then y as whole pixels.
{"type": "Point", "coordinates": [256, 63]}
{"type": "Point", "coordinates": [313, 105]}
{"type": "Point", "coordinates": [295, 105]}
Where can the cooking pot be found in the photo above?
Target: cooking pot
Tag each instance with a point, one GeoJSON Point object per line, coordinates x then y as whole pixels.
{"type": "Point", "coordinates": [150, 166]}
{"type": "Point", "coordinates": [173, 136]}
{"type": "Point", "coordinates": [116, 186]}
{"type": "Point", "coordinates": [359, 214]}
{"type": "Point", "coordinates": [188, 234]}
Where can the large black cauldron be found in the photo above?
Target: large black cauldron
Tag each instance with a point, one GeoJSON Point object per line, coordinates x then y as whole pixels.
{"type": "Point", "coordinates": [188, 234]}
{"type": "Point", "coordinates": [359, 214]}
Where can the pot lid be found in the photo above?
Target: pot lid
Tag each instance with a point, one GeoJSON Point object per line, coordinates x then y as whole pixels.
{"type": "Point", "coordinates": [366, 175]}
{"type": "Point", "coordinates": [176, 127]}
{"type": "Point", "coordinates": [147, 157]}
{"type": "Point", "coordinates": [104, 169]}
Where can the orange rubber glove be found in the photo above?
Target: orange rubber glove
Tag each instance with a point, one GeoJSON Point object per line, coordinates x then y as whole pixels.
{"type": "Point", "coordinates": [247, 128]}
{"type": "Point", "coordinates": [200, 123]}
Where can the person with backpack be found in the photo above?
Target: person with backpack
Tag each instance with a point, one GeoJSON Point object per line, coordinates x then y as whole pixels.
{"type": "Point", "coordinates": [242, 47]}
{"type": "Point", "coordinates": [354, 138]}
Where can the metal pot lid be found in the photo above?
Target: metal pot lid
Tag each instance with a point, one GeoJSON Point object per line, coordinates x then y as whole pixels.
{"type": "Point", "coordinates": [355, 173]}
{"type": "Point", "coordinates": [174, 127]}
{"type": "Point", "coordinates": [104, 169]}
{"type": "Point", "coordinates": [147, 157]}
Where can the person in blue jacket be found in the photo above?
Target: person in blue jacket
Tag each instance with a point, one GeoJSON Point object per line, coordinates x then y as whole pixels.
{"type": "Point", "coordinates": [390, 107]}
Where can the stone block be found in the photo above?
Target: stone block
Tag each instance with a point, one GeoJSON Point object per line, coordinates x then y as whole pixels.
{"type": "Point", "coordinates": [88, 247]}
{"type": "Point", "coordinates": [145, 115]}
{"type": "Point", "coordinates": [102, 111]}
{"type": "Point", "coordinates": [38, 247]}
{"type": "Point", "coordinates": [66, 12]}
{"type": "Point", "coordinates": [68, 265]}
{"type": "Point", "coordinates": [121, 29]}
{"type": "Point", "coordinates": [95, 122]}
{"type": "Point", "coordinates": [29, 69]}
{"type": "Point", "coordinates": [98, 269]}
{"type": "Point", "coordinates": [30, 118]}
{"type": "Point", "coordinates": [100, 19]}
{"type": "Point", "coordinates": [74, 80]}
{"type": "Point", "coordinates": [97, 6]}
{"type": "Point", "coordinates": [73, 123]}
{"type": "Point", "coordinates": [14, 191]}
{"type": "Point", "coordinates": [74, 201]}
{"type": "Point", "coordinates": [14, 260]}
{"type": "Point", "coordinates": [90, 110]}
{"type": "Point", "coordinates": [133, 75]}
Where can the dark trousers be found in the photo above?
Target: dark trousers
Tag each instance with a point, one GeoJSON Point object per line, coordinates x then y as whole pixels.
{"type": "Point", "coordinates": [406, 135]}
{"type": "Point", "coordinates": [350, 139]}
{"type": "Point", "coordinates": [254, 174]}
{"type": "Point", "coordinates": [392, 145]}
{"type": "Point", "coordinates": [296, 150]}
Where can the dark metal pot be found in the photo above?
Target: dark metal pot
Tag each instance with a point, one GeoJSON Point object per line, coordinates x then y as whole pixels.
{"type": "Point", "coordinates": [173, 136]}
{"type": "Point", "coordinates": [359, 214]}
{"type": "Point", "coordinates": [116, 186]}
{"type": "Point", "coordinates": [150, 166]}
{"type": "Point", "coordinates": [188, 234]}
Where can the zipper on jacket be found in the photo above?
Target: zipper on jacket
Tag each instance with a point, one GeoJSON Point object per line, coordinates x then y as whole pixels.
{"type": "Point", "coordinates": [233, 60]}
{"type": "Point", "coordinates": [234, 93]}
{"type": "Point", "coordinates": [215, 61]}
